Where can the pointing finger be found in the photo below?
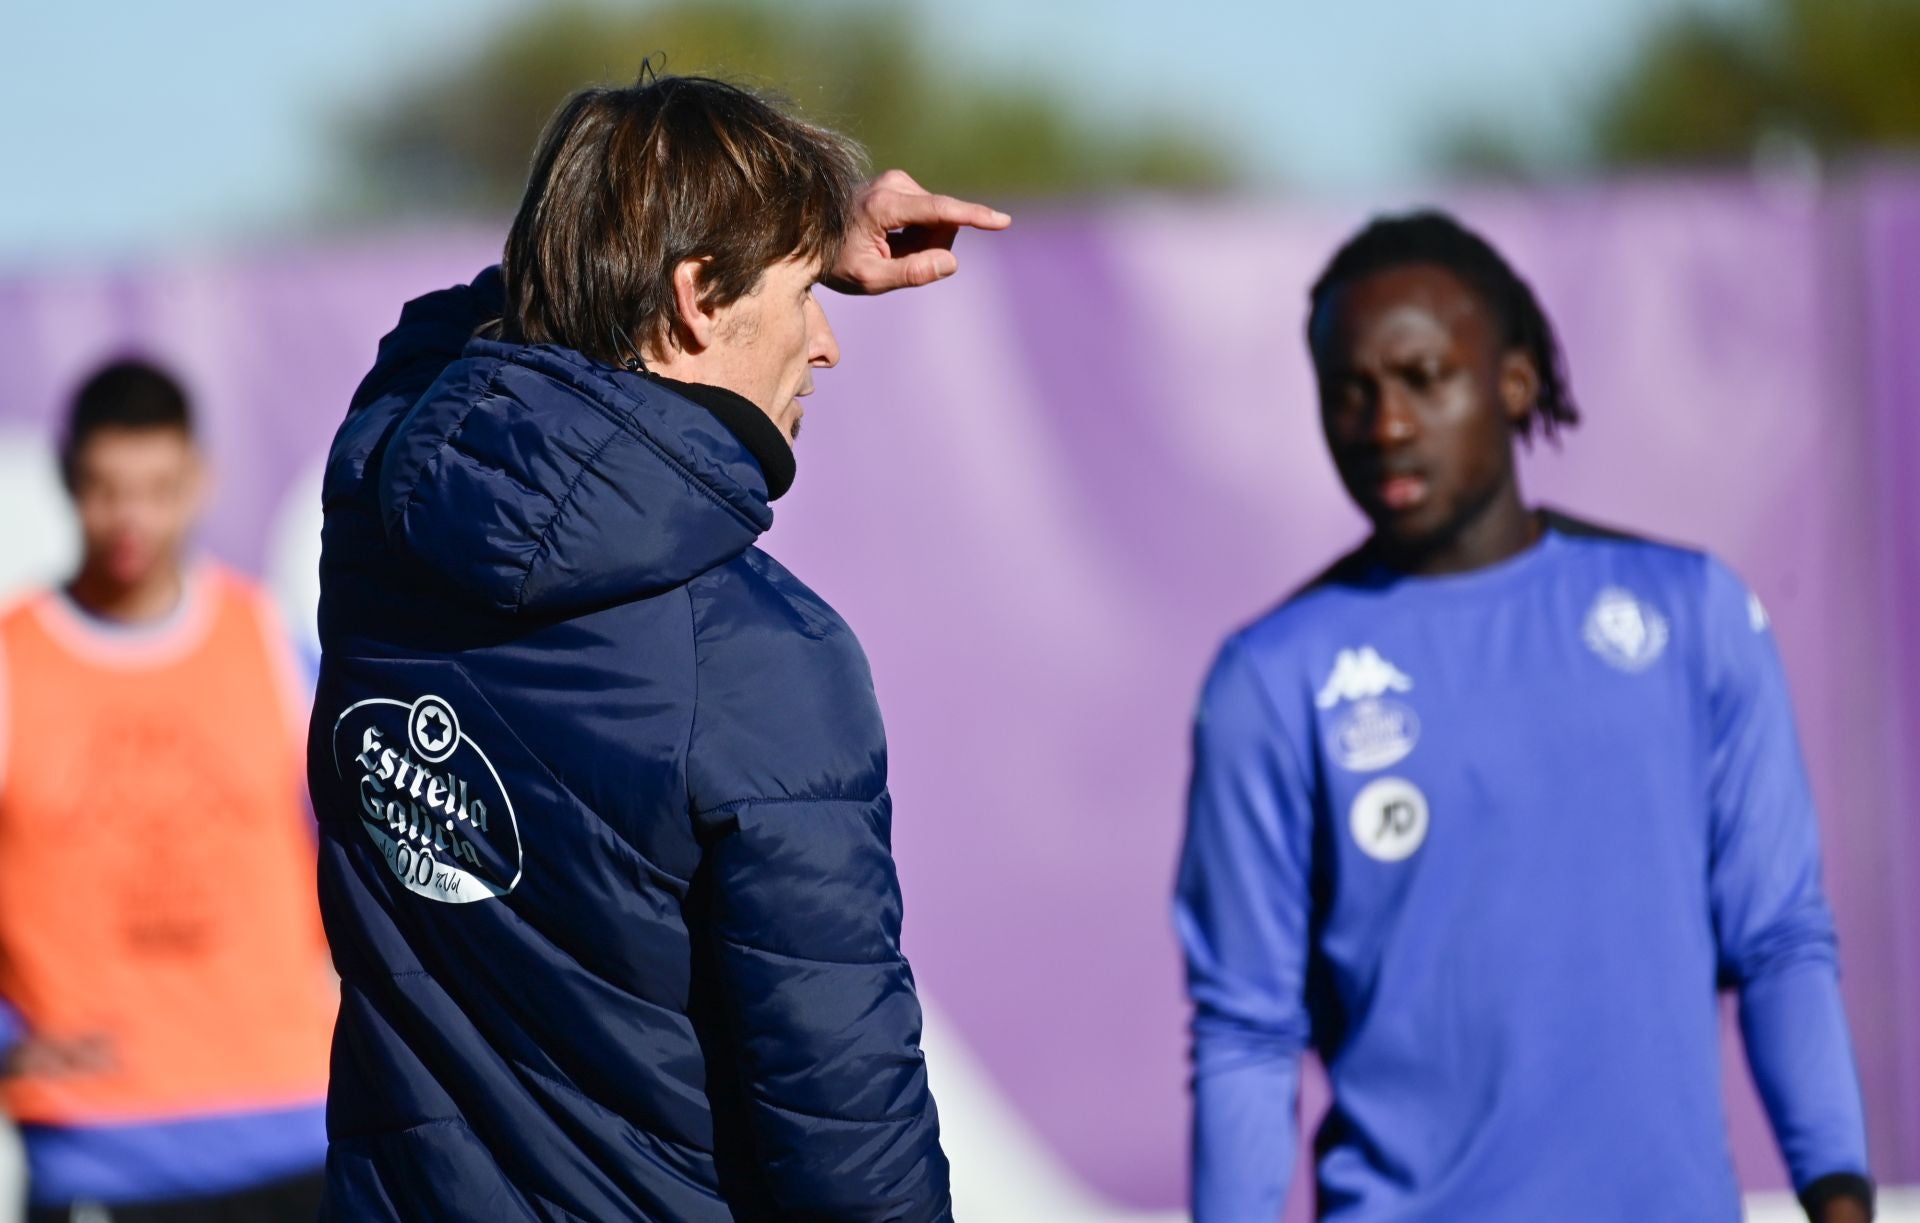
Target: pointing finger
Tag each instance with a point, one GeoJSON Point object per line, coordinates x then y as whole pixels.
{"type": "Point", "coordinates": [894, 209]}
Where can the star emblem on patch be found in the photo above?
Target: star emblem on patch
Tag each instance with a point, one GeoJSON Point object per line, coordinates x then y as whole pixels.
{"type": "Point", "coordinates": [433, 728]}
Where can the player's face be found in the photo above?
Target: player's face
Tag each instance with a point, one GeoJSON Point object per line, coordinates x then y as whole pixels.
{"type": "Point", "coordinates": [1418, 400]}
{"type": "Point", "coordinates": [768, 343]}
{"type": "Point", "coordinates": [137, 492]}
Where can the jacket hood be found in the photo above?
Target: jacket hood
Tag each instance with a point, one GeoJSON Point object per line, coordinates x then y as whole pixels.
{"type": "Point", "coordinates": [537, 480]}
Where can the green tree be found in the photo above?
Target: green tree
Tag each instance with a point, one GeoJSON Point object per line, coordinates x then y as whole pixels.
{"type": "Point", "coordinates": [459, 139]}
{"type": "Point", "coordinates": [1836, 77]}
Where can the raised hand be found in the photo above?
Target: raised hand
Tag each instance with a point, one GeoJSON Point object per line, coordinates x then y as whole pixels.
{"type": "Point", "coordinates": [902, 236]}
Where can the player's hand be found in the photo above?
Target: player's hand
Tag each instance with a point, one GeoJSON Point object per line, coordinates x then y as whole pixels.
{"type": "Point", "coordinates": [902, 236]}
{"type": "Point", "coordinates": [51, 1057]}
{"type": "Point", "coordinates": [1845, 1209]}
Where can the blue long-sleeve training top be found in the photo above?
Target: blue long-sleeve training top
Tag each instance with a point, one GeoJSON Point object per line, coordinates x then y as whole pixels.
{"type": "Point", "coordinates": [1488, 843]}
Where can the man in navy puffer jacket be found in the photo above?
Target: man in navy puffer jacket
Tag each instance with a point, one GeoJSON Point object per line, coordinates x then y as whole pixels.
{"type": "Point", "coordinates": [602, 787]}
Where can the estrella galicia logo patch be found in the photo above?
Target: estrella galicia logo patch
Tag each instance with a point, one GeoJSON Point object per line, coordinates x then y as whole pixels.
{"type": "Point", "coordinates": [1372, 733]}
{"type": "Point", "coordinates": [430, 800]}
{"type": "Point", "coordinates": [1626, 632]}
{"type": "Point", "coordinates": [1389, 819]}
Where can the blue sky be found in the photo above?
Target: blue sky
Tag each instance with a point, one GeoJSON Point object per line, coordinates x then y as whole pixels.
{"type": "Point", "coordinates": [128, 128]}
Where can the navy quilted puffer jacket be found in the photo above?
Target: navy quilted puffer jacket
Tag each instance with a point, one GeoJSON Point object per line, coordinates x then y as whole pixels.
{"type": "Point", "coordinates": [605, 831]}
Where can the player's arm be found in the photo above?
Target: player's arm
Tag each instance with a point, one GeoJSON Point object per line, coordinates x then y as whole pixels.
{"type": "Point", "coordinates": [23, 1052]}
{"type": "Point", "coordinates": [1771, 921]}
{"type": "Point", "coordinates": [1241, 909]}
{"type": "Point", "coordinates": [795, 913]}
{"type": "Point", "coordinates": [12, 1030]}
{"type": "Point", "coordinates": [802, 934]}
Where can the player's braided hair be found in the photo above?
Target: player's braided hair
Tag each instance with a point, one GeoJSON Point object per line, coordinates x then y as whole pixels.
{"type": "Point", "coordinates": [1431, 236]}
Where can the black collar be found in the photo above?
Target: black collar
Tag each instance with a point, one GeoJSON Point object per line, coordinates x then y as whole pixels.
{"type": "Point", "coordinates": [754, 429]}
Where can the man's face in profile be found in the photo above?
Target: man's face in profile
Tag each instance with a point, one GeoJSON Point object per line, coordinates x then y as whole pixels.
{"type": "Point", "coordinates": [137, 492]}
{"type": "Point", "coordinates": [767, 344]}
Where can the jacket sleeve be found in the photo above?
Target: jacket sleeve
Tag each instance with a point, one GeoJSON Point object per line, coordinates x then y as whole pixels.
{"type": "Point", "coordinates": [800, 928]}
{"type": "Point", "coordinates": [1241, 909]}
{"type": "Point", "coordinates": [1771, 922]}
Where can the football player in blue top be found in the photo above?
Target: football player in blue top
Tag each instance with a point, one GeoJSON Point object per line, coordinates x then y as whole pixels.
{"type": "Point", "coordinates": [1486, 813]}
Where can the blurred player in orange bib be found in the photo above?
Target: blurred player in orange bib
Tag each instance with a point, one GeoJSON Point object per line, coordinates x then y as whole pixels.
{"type": "Point", "coordinates": [165, 995]}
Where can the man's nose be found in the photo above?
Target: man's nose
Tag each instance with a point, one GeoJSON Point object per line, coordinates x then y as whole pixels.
{"type": "Point", "coordinates": [1394, 421]}
{"type": "Point", "coordinates": [824, 351]}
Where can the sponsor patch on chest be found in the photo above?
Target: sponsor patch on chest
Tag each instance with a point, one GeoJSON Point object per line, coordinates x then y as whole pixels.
{"type": "Point", "coordinates": [1389, 819]}
{"type": "Point", "coordinates": [1365, 727]}
{"type": "Point", "coordinates": [1372, 733]}
{"type": "Point", "coordinates": [1627, 632]}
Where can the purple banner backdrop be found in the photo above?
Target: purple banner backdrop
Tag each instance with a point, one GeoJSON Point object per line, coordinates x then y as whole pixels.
{"type": "Point", "coordinates": [1892, 256]}
{"type": "Point", "coordinates": [1044, 491]}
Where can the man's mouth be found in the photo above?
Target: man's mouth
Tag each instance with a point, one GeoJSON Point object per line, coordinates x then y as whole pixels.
{"type": "Point", "coordinates": [1403, 491]}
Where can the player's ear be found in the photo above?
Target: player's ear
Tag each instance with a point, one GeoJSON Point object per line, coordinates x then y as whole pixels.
{"type": "Point", "coordinates": [196, 481]}
{"type": "Point", "coordinates": [693, 317]}
{"type": "Point", "coordinates": [1519, 385]}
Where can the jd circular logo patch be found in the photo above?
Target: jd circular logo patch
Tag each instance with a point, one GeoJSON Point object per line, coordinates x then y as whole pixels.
{"type": "Point", "coordinates": [429, 799]}
{"type": "Point", "coordinates": [1389, 819]}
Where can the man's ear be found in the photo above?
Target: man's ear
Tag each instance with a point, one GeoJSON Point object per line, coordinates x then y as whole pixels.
{"type": "Point", "coordinates": [1519, 385]}
{"type": "Point", "coordinates": [693, 319]}
{"type": "Point", "coordinates": [199, 482]}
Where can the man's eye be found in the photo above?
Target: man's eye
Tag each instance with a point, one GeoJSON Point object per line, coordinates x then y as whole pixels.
{"type": "Point", "coordinates": [1423, 376]}
{"type": "Point", "coordinates": [1348, 396]}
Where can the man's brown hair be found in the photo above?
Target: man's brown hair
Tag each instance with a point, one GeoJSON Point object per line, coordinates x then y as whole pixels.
{"type": "Point", "coordinates": [129, 393]}
{"type": "Point", "coordinates": [627, 183]}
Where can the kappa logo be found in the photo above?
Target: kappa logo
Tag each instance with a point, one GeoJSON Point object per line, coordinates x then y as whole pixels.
{"type": "Point", "coordinates": [430, 800]}
{"type": "Point", "coordinates": [1358, 674]}
{"type": "Point", "coordinates": [1625, 631]}
{"type": "Point", "coordinates": [1374, 730]}
{"type": "Point", "coordinates": [1388, 819]}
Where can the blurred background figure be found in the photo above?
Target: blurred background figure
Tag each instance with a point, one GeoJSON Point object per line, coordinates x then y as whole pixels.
{"type": "Point", "coordinates": [165, 1001]}
{"type": "Point", "coordinates": [1100, 449]}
